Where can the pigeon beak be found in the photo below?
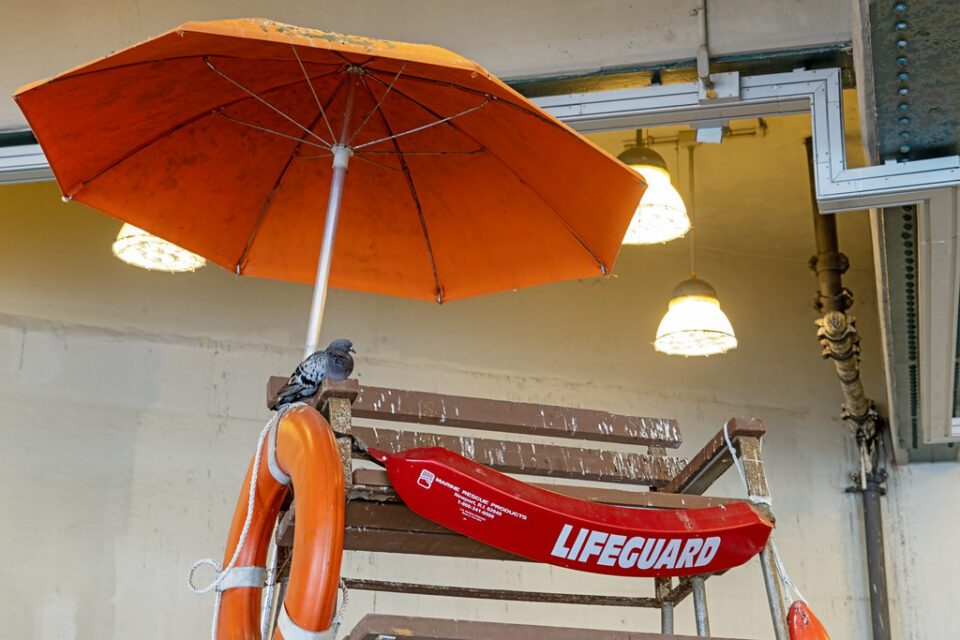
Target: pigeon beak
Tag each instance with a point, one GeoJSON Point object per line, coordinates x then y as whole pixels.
{"type": "Point", "coordinates": [352, 350]}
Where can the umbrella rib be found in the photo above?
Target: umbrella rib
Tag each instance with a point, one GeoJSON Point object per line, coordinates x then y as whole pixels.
{"type": "Point", "coordinates": [468, 152]}
{"type": "Point", "coordinates": [264, 102]}
{"type": "Point", "coordinates": [413, 193]}
{"type": "Point", "coordinates": [323, 113]}
{"type": "Point", "coordinates": [350, 62]}
{"type": "Point", "coordinates": [377, 163]}
{"type": "Point", "coordinates": [421, 128]}
{"type": "Point", "coordinates": [195, 56]}
{"type": "Point", "coordinates": [377, 105]}
{"type": "Point", "coordinates": [267, 130]}
{"type": "Point", "coordinates": [454, 85]}
{"type": "Point", "coordinates": [238, 268]}
{"type": "Point", "coordinates": [75, 188]}
{"type": "Point", "coordinates": [506, 165]}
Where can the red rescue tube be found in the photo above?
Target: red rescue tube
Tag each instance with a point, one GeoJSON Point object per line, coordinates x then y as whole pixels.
{"type": "Point", "coordinates": [544, 526]}
{"type": "Point", "coordinates": [803, 624]}
{"type": "Point", "coordinates": [307, 452]}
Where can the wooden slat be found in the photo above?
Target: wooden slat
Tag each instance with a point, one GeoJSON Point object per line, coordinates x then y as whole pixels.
{"type": "Point", "coordinates": [500, 594]}
{"type": "Point", "coordinates": [513, 417]}
{"type": "Point", "coordinates": [374, 485]}
{"type": "Point", "coordinates": [374, 626]}
{"type": "Point", "coordinates": [393, 528]}
{"type": "Point", "coordinates": [445, 545]}
{"type": "Point", "coordinates": [534, 459]}
{"type": "Point", "coordinates": [714, 459]}
{"type": "Point", "coordinates": [420, 407]}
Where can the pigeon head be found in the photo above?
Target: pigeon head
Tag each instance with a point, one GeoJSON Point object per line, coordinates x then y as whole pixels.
{"type": "Point", "coordinates": [341, 344]}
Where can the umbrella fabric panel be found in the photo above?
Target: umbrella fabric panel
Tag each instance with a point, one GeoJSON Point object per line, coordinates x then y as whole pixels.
{"type": "Point", "coordinates": [380, 242]}
{"type": "Point", "coordinates": [539, 152]}
{"type": "Point", "coordinates": [87, 124]}
{"type": "Point", "coordinates": [516, 236]}
{"type": "Point", "coordinates": [204, 185]}
{"type": "Point", "coordinates": [210, 136]}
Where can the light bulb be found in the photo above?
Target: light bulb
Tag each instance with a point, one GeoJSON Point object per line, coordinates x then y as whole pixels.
{"type": "Point", "coordinates": [661, 215]}
{"type": "Point", "coordinates": [694, 324]}
{"type": "Point", "coordinates": [145, 250]}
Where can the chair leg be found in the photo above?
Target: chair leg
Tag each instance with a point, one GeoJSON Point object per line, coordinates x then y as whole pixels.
{"type": "Point", "coordinates": [664, 585]}
{"type": "Point", "coordinates": [774, 595]}
{"type": "Point", "coordinates": [700, 606]}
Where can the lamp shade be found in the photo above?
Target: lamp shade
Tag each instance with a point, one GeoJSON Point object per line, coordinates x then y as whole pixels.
{"type": "Point", "coordinates": [694, 324]}
{"type": "Point", "coordinates": [145, 250]}
{"type": "Point", "coordinates": [661, 215]}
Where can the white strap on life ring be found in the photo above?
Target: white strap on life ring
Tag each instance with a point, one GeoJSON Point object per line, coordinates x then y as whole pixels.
{"type": "Point", "coordinates": [272, 463]}
{"type": "Point", "coordinates": [292, 631]}
{"type": "Point", "coordinates": [242, 577]}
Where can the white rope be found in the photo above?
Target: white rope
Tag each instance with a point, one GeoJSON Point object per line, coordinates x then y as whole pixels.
{"type": "Point", "coordinates": [338, 617]}
{"type": "Point", "coordinates": [222, 572]}
{"type": "Point", "coordinates": [791, 592]}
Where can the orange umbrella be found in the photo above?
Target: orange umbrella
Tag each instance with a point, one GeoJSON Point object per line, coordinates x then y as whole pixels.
{"type": "Point", "coordinates": [225, 137]}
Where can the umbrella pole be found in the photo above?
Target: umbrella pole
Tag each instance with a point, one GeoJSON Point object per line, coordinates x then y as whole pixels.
{"type": "Point", "coordinates": [341, 158]}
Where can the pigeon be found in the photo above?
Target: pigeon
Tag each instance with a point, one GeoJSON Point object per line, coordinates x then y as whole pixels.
{"type": "Point", "coordinates": [333, 363]}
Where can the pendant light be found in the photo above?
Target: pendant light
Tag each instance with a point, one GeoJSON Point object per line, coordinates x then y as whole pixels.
{"type": "Point", "coordinates": [694, 324]}
{"type": "Point", "coordinates": [145, 250]}
{"type": "Point", "coordinates": [661, 215]}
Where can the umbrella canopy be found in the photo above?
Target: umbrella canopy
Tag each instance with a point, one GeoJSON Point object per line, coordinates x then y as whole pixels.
{"type": "Point", "coordinates": [217, 136]}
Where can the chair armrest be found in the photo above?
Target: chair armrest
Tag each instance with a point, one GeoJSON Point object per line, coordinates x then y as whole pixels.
{"type": "Point", "coordinates": [714, 459]}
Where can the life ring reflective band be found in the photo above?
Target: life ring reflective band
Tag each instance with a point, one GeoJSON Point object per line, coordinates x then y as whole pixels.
{"type": "Point", "coordinates": [306, 452]}
{"type": "Point", "coordinates": [240, 577]}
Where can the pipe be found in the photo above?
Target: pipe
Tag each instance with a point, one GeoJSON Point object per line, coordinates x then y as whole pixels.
{"type": "Point", "coordinates": [838, 334]}
{"type": "Point", "coordinates": [703, 51]}
{"type": "Point", "coordinates": [341, 158]}
{"type": "Point", "coordinates": [876, 570]}
{"type": "Point", "coordinates": [837, 329]}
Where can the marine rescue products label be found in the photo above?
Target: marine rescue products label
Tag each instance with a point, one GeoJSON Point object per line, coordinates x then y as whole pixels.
{"type": "Point", "coordinates": [545, 526]}
{"type": "Point", "coordinates": [471, 505]}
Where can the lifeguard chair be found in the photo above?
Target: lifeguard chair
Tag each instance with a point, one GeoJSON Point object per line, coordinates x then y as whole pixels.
{"type": "Point", "coordinates": [377, 520]}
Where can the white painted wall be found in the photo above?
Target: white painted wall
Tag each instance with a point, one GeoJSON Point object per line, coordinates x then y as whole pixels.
{"type": "Point", "coordinates": [132, 400]}
{"type": "Point", "coordinates": [512, 39]}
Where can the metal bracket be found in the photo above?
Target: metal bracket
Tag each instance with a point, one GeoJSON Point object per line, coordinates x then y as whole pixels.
{"type": "Point", "coordinates": [726, 88]}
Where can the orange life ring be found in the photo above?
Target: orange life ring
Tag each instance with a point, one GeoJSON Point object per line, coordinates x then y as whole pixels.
{"type": "Point", "coordinates": [304, 453]}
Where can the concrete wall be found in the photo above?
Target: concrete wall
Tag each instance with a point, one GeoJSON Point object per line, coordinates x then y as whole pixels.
{"type": "Point", "coordinates": [132, 401]}
{"type": "Point", "coordinates": [512, 39]}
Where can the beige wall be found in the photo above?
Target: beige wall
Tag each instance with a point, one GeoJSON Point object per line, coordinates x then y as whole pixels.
{"type": "Point", "coordinates": [132, 400]}
{"type": "Point", "coordinates": [512, 39]}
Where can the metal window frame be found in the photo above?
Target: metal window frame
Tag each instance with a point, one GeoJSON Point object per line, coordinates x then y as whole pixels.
{"type": "Point", "coordinates": [817, 92]}
{"type": "Point", "coordinates": [938, 254]}
{"type": "Point", "coordinates": [23, 163]}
